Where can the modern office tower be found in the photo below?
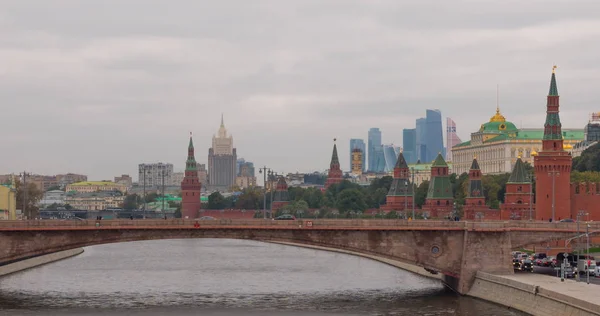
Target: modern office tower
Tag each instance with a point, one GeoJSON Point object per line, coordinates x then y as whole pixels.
{"type": "Point", "coordinates": [360, 144]}
{"type": "Point", "coordinates": [451, 138]}
{"type": "Point", "coordinates": [375, 151]}
{"type": "Point", "coordinates": [357, 161]}
{"type": "Point", "coordinates": [435, 137]}
{"type": "Point", "coordinates": [409, 141]}
{"type": "Point", "coordinates": [420, 140]}
{"type": "Point", "coordinates": [390, 154]}
{"type": "Point", "coordinates": [222, 159]}
{"type": "Point", "coordinates": [153, 174]}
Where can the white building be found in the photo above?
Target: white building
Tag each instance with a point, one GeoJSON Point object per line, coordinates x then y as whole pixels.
{"type": "Point", "coordinates": [152, 174]}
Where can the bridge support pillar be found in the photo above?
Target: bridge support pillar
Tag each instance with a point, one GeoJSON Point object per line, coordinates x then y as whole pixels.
{"type": "Point", "coordinates": [482, 251]}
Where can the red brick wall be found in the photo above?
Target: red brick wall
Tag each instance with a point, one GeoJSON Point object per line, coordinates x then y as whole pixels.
{"type": "Point", "coordinates": [585, 197]}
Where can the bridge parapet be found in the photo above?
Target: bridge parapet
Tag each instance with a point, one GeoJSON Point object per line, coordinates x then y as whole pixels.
{"type": "Point", "coordinates": [387, 224]}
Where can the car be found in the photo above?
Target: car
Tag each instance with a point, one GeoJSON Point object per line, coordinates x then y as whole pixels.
{"type": "Point", "coordinates": [516, 264]}
{"type": "Point", "coordinates": [569, 272]}
{"type": "Point", "coordinates": [567, 220]}
{"type": "Point", "coordinates": [526, 265]}
{"type": "Point", "coordinates": [285, 217]}
{"type": "Point", "coordinates": [207, 218]}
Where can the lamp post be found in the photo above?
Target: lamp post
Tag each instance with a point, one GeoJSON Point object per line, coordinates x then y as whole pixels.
{"type": "Point", "coordinates": [163, 192]}
{"type": "Point", "coordinates": [412, 171]}
{"type": "Point", "coordinates": [553, 174]}
{"type": "Point", "coordinates": [25, 189]}
{"type": "Point", "coordinates": [531, 196]}
{"type": "Point", "coordinates": [272, 177]}
{"type": "Point", "coordinates": [587, 234]}
{"type": "Point", "coordinates": [264, 171]}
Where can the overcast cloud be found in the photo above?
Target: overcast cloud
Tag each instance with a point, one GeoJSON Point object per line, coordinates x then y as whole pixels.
{"type": "Point", "coordinates": [97, 87]}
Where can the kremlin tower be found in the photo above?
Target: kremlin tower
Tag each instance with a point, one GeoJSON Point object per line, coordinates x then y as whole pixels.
{"type": "Point", "coordinates": [281, 197]}
{"type": "Point", "coordinates": [335, 173]}
{"type": "Point", "coordinates": [518, 197]}
{"type": "Point", "coordinates": [400, 197]}
{"type": "Point", "coordinates": [552, 165]}
{"type": "Point", "coordinates": [190, 186]}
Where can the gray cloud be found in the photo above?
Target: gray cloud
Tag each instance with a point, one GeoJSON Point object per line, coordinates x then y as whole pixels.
{"type": "Point", "coordinates": [99, 86]}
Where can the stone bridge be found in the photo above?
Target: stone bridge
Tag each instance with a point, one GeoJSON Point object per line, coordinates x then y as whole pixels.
{"type": "Point", "coordinates": [456, 249]}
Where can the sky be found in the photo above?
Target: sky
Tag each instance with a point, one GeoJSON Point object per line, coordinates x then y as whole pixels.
{"type": "Point", "coordinates": [97, 87]}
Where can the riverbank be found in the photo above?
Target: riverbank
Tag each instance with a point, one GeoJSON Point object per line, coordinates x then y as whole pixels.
{"type": "Point", "coordinates": [398, 264]}
{"type": "Point", "coordinates": [538, 294]}
{"type": "Point", "coordinates": [38, 261]}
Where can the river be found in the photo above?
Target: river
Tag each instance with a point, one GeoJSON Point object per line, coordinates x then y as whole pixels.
{"type": "Point", "coordinates": [224, 278]}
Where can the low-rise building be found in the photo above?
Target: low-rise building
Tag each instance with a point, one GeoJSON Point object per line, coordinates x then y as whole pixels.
{"type": "Point", "coordinates": [8, 202]}
{"type": "Point", "coordinates": [52, 197]}
{"type": "Point", "coordinates": [125, 180]}
{"type": "Point", "coordinates": [245, 182]}
{"type": "Point", "coordinates": [96, 186]}
{"type": "Point", "coordinates": [422, 172]}
{"type": "Point", "coordinates": [95, 201]}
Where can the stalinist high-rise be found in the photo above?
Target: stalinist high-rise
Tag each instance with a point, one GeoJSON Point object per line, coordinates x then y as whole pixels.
{"type": "Point", "coordinates": [222, 158]}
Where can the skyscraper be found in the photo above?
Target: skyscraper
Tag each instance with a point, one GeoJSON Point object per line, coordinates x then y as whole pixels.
{"type": "Point", "coordinates": [190, 186]}
{"type": "Point", "coordinates": [434, 140]}
{"type": "Point", "coordinates": [360, 144]}
{"type": "Point", "coordinates": [451, 138]}
{"type": "Point", "coordinates": [420, 140]}
{"type": "Point", "coordinates": [222, 159]}
{"type": "Point", "coordinates": [375, 151]}
{"type": "Point", "coordinates": [390, 154]}
{"type": "Point", "coordinates": [409, 140]}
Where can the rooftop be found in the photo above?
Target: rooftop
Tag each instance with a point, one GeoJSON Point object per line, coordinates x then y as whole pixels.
{"type": "Point", "coordinates": [92, 183]}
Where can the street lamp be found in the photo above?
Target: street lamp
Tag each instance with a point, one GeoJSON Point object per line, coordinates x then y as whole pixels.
{"type": "Point", "coordinates": [412, 171]}
{"type": "Point", "coordinates": [264, 171]}
{"type": "Point", "coordinates": [553, 174]}
{"type": "Point", "coordinates": [587, 234]}
{"type": "Point", "coordinates": [531, 178]}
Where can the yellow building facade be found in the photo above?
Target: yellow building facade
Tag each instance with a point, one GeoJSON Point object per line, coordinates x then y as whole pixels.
{"type": "Point", "coordinates": [498, 143]}
{"type": "Point", "coordinates": [357, 159]}
{"type": "Point", "coordinates": [8, 203]}
{"type": "Point", "coordinates": [96, 186]}
{"type": "Point", "coordinates": [95, 201]}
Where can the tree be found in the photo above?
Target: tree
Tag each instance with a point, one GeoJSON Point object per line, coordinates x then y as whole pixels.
{"type": "Point", "coordinates": [589, 159]}
{"type": "Point", "coordinates": [216, 201]}
{"type": "Point", "coordinates": [459, 187]}
{"type": "Point", "coordinates": [490, 190]}
{"type": "Point", "coordinates": [132, 202]}
{"type": "Point", "coordinates": [586, 176]}
{"type": "Point", "coordinates": [151, 197]}
{"type": "Point", "coordinates": [421, 193]}
{"type": "Point", "coordinates": [34, 194]}
{"type": "Point", "coordinates": [351, 199]}
{"type": "Point", "coordinates": [250, 199]}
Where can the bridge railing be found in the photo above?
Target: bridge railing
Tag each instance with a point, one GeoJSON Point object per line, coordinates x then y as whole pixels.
{"type": "Point", "coordinates": [303, 223]}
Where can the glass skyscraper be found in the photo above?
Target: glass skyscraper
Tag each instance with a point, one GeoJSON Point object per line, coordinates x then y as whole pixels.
{"type": "Point", "coordinates": [390, 154]}
{"type": "Point", "coordinates": [429, 136]}
{"type": "Point", "coordinates": [375, 151]}
{"type": "Point", "coordinates": [409, 141]}
{"type": "Point", "coordinates": [360, 144]}
{"type": "Point", "coordinates": [434, 140]}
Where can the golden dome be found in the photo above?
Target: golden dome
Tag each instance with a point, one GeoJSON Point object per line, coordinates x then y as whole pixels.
{"type": "Point", "coordinates": [567, 146]}
{"type": "Point", "coordinates": [534, 153]}
{"type": "Point", "coordinates": [498, 117]}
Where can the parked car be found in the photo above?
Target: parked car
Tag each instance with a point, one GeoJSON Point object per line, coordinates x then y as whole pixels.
{"type": "Point", "coordinates": [527, 265]}
{"type": "Point", "coordinates": [285, 217]}
{"type": "Point", "coordinates": [569, 272]}
{"type": "Point", "coordinates": [516, 264]}
{"type": "Point", "coordinates": [567, 220]}
{"type": "Point", "coordinates": [207, 218]}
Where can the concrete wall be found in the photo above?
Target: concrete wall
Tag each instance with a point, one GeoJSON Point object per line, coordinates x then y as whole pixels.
{"type": "Point", "coordinates": [528, 298]}
{"type": "Point", "coordinates": [38, 261]}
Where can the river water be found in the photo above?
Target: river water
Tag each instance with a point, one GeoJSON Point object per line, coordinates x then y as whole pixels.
{"type": "Point", "coordinates": [224, 278]}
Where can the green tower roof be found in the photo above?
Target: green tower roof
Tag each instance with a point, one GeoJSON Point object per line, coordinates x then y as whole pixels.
{"type": "Point", "coordinates": [553, 88]}
{"type": "Point", "coordinates": [190, 164]}
{"type": "Point", "coordinates": [439, 161]}
{"type": "Point", "coordinates": [401, 162]}
{"type": "Point", "coordinates": [519, 175]}
{"type": "Point", "coordinates": [475, 164]}
{"type": "Point", "coordinates": [191, 145]}
{"type": "Point", "coordinates": [334, 155]}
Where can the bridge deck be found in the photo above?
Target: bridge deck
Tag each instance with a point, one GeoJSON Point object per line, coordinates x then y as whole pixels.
{"type": "Point", "coordinates": [302, 224]}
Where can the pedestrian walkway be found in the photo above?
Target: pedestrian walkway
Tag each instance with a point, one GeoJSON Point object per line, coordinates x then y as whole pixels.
{"type": "Point", "coordinates": [580, 290]}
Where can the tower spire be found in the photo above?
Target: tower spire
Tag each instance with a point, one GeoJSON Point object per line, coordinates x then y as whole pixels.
{"type": "Point", "coordinates": [553, 88]}
{"type": "Point", "coordinates": [222, 123]}
{"type": "Point", "coordinates": [498, 117]}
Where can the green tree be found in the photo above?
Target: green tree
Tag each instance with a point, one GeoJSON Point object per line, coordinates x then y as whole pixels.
{"type": "Point", "coordinates": [421, 193]}
{"type": "Point", "coordinates": [151, 197]}
{"type": "Point", "coordinates": [216, 201]}
{"type": "Point", "coordinates": [459, 186]}
{"type": "Point", "coordinates": [351, 200]}
{"type": "Point", "coordinates": [250, 199]}
{"type": "Point", "coordinates": [589, 159]}
{"type": "Point", "coordinates": [585, 176]}
{"type": "Point", "coordinates": [132, 202]}
{"type": "Point", "coordinates": [491, 188]}
{"type": "Point", "coordinates": [34, 195]}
